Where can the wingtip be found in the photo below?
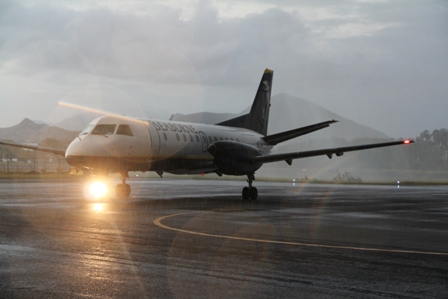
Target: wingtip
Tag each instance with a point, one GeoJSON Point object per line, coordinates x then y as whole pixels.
{"type": "Point", "coordinates": [268, 71]}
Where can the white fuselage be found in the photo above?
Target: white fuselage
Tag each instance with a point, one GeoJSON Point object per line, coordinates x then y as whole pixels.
{"type": "Point", "coordinates": [121, 144]}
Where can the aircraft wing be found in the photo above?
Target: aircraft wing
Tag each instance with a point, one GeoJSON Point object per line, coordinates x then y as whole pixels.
{"type": "Point", "coordinates": [55, 151]}
{"type": "Point", "coordinates": [339, 151]}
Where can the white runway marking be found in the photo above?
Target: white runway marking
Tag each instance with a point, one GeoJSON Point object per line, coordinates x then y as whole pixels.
{"type": "Point", "coordinates": [159, 220]}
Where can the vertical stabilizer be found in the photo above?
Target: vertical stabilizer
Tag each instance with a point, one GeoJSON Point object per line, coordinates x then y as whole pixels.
{"type": "Point", "coordinates": [258, 117]}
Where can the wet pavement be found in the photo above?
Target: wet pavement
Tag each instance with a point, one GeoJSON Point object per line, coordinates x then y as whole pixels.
{"type": "Point", "coordinates": [198, 239]}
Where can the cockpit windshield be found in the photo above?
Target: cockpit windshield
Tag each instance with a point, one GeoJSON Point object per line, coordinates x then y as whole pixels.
{"type": "Point", "coordinates": [124, 130]}
{"type": "Point", "coordinates": [104, 130]}
{"type": "Point", "coordinates": [107, 129]}
{"type": "Point", "coordinates": [87, 129]}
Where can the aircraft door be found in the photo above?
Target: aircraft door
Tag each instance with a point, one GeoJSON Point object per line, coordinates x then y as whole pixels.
{"type": "Point", "coordinates": [131, 140]}
{"type": "Point", "coordinates": [155, 140]}
{"type": "Point", "coordinates": [204, 141]}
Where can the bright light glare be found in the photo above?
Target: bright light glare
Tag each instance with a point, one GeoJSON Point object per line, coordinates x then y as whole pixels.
{"type": "Point", "coordinates": [98, 189]}
{"type": "Point", "coordinates": [98, 207]}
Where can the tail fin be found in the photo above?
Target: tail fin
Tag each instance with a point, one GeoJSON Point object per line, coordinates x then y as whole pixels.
{"type": "Point", "coordinates": [258, 117]}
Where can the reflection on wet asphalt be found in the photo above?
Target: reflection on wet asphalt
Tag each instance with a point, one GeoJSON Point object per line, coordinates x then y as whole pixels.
{"type": "Point", "coordinates": [295, 241]}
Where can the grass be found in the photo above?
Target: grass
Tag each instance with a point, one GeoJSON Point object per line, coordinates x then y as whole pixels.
{"type": "Point", "coordinates": [318, 181]}
{"type": "Point", "coordinates": [23, 175]}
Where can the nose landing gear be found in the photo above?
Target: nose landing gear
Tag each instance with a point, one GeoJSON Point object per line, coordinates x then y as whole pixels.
{"type": "Point", "coordinates": [250, 192]}
{"type": "Point", "coordinates": [123, 189]}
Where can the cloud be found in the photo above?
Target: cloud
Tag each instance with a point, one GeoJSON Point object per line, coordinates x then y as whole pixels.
{"type": "Point", "coordinates": [163, 47]}
{"type": "Point", "coordinates": [357, 58]}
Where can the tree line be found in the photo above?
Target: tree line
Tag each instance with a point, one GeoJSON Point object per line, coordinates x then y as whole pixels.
{"type": "Point", "coordinates": [428, 152]}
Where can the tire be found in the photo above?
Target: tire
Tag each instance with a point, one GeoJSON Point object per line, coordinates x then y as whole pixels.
{"type": "Point", "coordinates": [123, 190]}
{"type": "Point", "coordinates": [253, 193]}
{"type": "Point", "coordinates": [119, 190]}
{"type": "Point", "coordinates": [246, 193]}
{"type": "Point", "coordinates": [127, 190]}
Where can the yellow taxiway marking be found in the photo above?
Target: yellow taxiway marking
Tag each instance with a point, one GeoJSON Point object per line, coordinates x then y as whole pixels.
{"type": "Point", "coordinates": [159, 220]}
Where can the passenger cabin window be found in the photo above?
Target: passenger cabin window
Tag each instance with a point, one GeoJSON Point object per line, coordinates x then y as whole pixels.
{"type": "Point", "coordinates": [104, 130]}
{"type": "Point", "coordinates": [124, 130]}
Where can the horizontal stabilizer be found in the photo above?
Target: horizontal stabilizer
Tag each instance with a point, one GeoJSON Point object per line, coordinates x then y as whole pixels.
{"type": "Point", "coordinates": [288, 157]}
{"type": "Point", "coordinates": [287, 135]}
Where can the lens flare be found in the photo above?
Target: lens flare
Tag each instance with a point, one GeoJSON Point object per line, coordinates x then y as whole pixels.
{"type": "Point", "coordinates": [98, 207]}
{"type": "Point", "coordinates": [97, 190]}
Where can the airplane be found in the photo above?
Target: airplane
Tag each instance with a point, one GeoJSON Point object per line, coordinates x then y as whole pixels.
{"type": "Point", "coordinates": [237, 147]}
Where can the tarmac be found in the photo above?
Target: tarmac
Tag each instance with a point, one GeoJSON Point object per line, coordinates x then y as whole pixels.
{"type": "Point", "coordinates": [199, 239]}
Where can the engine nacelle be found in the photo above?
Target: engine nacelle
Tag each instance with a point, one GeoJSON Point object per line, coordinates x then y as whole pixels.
{"type": "Point", "coordinates": [234, 158]}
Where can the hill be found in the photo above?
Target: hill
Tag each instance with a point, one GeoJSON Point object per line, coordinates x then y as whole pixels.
{"type": "Point", "coordinates": [77, 122]}
{"type": "Point", "coordinates": [288, 112]}
{"type": "Point", "coordinates": [28, 131]}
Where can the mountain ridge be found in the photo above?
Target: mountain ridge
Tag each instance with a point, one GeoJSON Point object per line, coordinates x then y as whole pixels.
{"type": "Point", "coordinates": [28, 131]}
{"type": "Point", "coordinates": [287, 112]}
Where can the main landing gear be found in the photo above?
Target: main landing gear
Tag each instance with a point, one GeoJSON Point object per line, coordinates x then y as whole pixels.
{"type": "Point", "coordinates": [250, 192]}
{"type": "Point", "coordinates": [123, 189]}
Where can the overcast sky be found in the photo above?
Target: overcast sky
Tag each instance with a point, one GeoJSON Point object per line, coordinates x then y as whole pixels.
{"type": "Point", "coordinates": [383, 64]}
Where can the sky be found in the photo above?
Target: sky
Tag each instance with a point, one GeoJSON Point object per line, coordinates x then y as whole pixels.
{"type": "Point", "coordinates": [380, 63]}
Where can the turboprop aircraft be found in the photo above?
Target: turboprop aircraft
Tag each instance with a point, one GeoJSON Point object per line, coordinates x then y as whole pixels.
{"type": "Point", "coordinates": [238, 147]}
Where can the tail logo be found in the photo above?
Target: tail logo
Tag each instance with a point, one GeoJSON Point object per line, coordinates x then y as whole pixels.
{"type": "Point", "coordinates": [266, 86]}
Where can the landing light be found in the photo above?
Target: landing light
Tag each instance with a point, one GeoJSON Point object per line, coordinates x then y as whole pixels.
{"type": "Point", "coordinates": [98, 207]}
{"type": "Point", "coordinates": [407, 141]}
{"type": "Point", "coordinates": [97, 190]}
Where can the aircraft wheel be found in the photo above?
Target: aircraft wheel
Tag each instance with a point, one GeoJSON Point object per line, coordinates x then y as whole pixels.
{"type": "Point", "coordinates": [123, 190]}
{"type": "Point", "coordinates": [246, 193]}
{"type": "Point", "coordinates": [119, 190]}
{"type": "Point", "coordinates": [127, 190]}
{"type": "Point", "coordinates": [253, 193]}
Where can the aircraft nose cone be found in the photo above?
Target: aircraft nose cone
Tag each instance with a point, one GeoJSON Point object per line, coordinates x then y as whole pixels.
{"type": "Point", "coordinates": [72, 151]}
{"type": "Point", "coordinates": [73, 148]}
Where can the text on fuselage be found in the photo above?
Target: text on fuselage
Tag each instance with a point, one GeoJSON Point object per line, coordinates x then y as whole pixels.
{"type": "Point", "coordinates": [161, 126]}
